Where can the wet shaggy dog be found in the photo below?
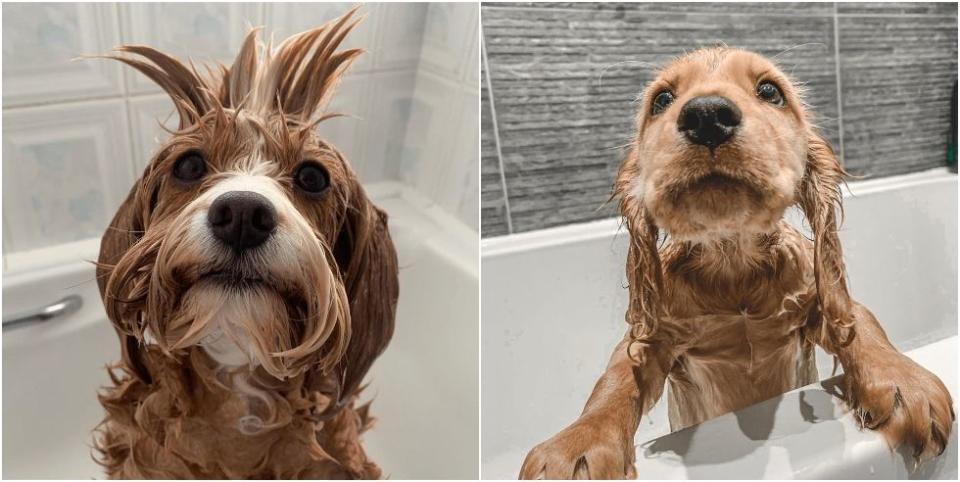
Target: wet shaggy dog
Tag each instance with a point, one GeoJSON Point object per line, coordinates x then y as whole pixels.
{"type": "Point", "coordinates": [251, 281]}
{"type": "Point", "coordinates": [728, 310]}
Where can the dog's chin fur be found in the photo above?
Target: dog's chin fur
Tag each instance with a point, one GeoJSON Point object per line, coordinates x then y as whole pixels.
{"type": "Point", "coordinates": [715, 206]}
{"type": "Point", "coordinates": [231, 320]}
{"type": "Point", "coordinates": [712, 207]}
{"type": "Point", "coordinates": [698, 195]}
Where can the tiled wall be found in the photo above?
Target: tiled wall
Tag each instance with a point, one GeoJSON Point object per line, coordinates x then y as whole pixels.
{"type": "Point", "coordinates": [441, 148]}
{"type": "Point", "coordinates": [77, 133]}
{"type": "Point", "coordinates": [880, 78]}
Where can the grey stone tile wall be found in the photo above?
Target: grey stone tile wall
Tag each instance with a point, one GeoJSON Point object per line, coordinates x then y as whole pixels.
{"type": "Point", "coordinates": [493, 210]}
{"type": "Point", "coordinates": [897, 75]}
{"type": "Point", "coordinates": [564, 77]}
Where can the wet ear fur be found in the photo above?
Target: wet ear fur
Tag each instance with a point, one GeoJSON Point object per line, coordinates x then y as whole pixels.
{"type": "Point", "coordinates": [367, 262]}
{"type": "Point", "coordinates": [644, 272]}
{"type": "Point", "coordinates": [821, 200]}
{"type": "Point", "coordinates": [125, 230]}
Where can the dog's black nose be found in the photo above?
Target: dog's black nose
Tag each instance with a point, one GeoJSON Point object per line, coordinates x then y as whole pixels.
{"type": "Point", "coordinates": [709, 121]}
{"type": "Point", "coordinates": [242, 219]}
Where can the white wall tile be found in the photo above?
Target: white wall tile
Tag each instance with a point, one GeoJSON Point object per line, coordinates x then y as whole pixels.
{"type": "Point", "coordinates": [386, 146]}
{"type": "Point", "coordinates": [39, 41]}
{"type": "Point", "coordinates": [459, 189]}
{"type": "Point", "coordinates": [350, 132]}
{"type": "Point", "coordinates": [66, 169]}
{"type": "Point", "coordinates": [442, 140]}
{"type": "Point", "coordinates": [471, 58]}
{"type": "Point", "coordinates": [433, 121]}
{"type": "Point", "coordinates": [6, 242]}
{"type": "Point", "coordinates": [449, 31]}
{"type": "Point", "coordinates": [203, 32]}
{"type": "Point", "coordinates": [149, 115]}
{"type": "Point", "coordinates": [401, 34]}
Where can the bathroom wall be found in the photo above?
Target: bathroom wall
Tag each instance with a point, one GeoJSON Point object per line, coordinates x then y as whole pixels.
{"type": "Point", "coordinates": [562, 78]}
{"type": "Point", "coordinates": [76, 134]}
{"type": "Point", "coordinates": [441, 147]}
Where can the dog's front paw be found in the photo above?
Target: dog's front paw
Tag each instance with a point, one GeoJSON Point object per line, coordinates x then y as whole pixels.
{"type": "Point", "coordinates": [584, 450]}
{"type": "Point", "coordinates": [901, 399]}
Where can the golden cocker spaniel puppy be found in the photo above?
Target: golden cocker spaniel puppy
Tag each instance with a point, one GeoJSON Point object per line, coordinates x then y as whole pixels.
{"type": "Point", "coordinates": [728, 310]}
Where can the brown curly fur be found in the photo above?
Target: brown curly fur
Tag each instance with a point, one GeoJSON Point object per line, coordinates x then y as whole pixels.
{"type": "Point", "coordinates": [173, 411]}
{"type": "Point", "coordinates": [729, 308]}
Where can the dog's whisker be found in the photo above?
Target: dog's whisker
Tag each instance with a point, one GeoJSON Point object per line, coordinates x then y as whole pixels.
{"type": "Point", "coordinates": [624, 62]}
{"type": "Point", "coordinates": [790, 49]}
{"type": "Point", "coordinates": [629, 144]}
{"type": "Point", "coordinates": [129, 231]}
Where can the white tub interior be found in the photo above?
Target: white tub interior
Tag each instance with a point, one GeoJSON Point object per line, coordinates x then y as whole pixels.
{"type": "Point", "coordinates": [424, 386]}
{"type": "Point", "coordinates": [553, 305]}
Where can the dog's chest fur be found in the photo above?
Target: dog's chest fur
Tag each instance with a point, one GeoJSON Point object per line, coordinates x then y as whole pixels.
{"type": "Point", "coordinates": [737, 325]}
{"type": "Point", "coordinates": [195, 421]}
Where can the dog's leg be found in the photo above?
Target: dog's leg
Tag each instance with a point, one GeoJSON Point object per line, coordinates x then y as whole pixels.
{"type": "Point", "coordinates": [891, 393]}
{"type": "Point", "coordinates": [599, 444]}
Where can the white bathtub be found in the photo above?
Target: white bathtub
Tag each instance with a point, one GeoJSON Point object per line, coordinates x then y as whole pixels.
{"type": "Point", "coordinates": [553, 305]}
{"type": "Point", "coordinates": [424, 386]}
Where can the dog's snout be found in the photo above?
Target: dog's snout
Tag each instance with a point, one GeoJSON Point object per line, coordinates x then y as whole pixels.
{"type": "Point", "coordinates": [242, 219]}
{"type": "Point", "coordinates": [709, 121]}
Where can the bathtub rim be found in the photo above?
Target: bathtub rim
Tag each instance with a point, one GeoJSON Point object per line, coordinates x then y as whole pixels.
{"type": "Point", "coordinates": [603, 228]}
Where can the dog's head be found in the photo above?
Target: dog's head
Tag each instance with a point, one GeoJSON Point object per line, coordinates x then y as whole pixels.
{"type": "Point", "coordinates": [723, 146]}
{"type": "Point", "coordinates": [248, 235]}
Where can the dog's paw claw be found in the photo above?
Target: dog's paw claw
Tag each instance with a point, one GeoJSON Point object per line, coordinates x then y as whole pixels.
{"type": "Point", "coordinates": [581, 451]}
{"type": "Point", "coordinates": [905, 402]}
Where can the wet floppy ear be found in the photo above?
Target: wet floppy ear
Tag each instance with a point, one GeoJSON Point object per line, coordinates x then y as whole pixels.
{"type": "Point", "coordinates": [368, 266]}
{"type": "Point", "coordinates": [821, 200]}
{"type": "Point", "coordinates": [190, 94]}
{"type": "Point", "coordinates": [643, 262]}
{"type": "Point", "coordinates": [125, 230]}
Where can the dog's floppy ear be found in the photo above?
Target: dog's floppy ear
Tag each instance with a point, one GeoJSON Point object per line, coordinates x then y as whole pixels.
{"type": "Point", "coordinates": [821, 200]}
{"type": "Point", "coordinates": [644, 273]}
{"type": "Point", "coordinates": [124, 231]}
{"type": "Point", "coordinates": [368, 265]}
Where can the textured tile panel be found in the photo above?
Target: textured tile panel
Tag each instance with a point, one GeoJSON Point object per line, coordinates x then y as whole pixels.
{"type": "Point", "coordinates": [803, 8]}
{"type": "Point", "coordinates": [493, 214]}
{"type": "Point", "coordinates": [898, 8]}
{"type": "Point", "coordinates": [562, 130]}
{"type": "Point", "coordinates": [897, 75]}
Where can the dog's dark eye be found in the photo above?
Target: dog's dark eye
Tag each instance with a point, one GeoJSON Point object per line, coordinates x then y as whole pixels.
{"type": "Point", "coordinates": [190, 167]}
{"type": "Point", "coordinates": [312, 178]}
{"type": "Point", "coordinates": [661, 102]}
{"type": "Point", "coordinates": [770, 93]}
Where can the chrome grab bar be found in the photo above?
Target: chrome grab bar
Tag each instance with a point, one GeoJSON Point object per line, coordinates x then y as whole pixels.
{"type": "Point", "coordinates": [63, 307]}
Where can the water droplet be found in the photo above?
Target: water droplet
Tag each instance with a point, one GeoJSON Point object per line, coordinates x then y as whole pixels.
{"type": "Point", "coordinates": [250, 425]}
